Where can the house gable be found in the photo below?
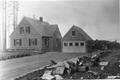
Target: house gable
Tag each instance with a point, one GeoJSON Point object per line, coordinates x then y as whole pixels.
{"type": "Point", "coordinates": [24, 23]}
{"type": "Point", "coordinates": [76, 34]}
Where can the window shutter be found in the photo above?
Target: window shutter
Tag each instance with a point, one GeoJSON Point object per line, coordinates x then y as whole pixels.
{"type": "Point", "coordinates": [29, 30]}
{"type": "Point", "coordinates": [14, 42]}
{"type": "Point", "coordinates": [35, 41]}
{"type": "Point", "coordinates": [20, 30]}
{"type": "Point", "coordinates": [29, 42]}
{"type": "Point", "coordinates": [20, 42]}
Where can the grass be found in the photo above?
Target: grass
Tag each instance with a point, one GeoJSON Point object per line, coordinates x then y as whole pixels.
{"type": "Point", "coordinates": [16, 54]}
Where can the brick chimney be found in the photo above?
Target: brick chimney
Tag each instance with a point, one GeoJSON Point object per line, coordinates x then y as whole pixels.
{"type": "Point", "coordinates": [41, 19]}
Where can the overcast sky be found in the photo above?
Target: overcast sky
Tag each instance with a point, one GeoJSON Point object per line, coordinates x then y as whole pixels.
{"type": "Point", "coordinates": [99, 18]}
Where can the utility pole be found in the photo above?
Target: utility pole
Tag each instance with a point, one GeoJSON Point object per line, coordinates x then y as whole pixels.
{"type": "Point", "coordinates": [4, 22]}
{"type": "Point", "coordinates": [9, 16]}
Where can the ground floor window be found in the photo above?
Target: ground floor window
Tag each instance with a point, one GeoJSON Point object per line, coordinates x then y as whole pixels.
{"type": "Point", "coordinates": [70, 44]}
{"type": "Point", "coordinates": [17, 42]}
{"type": "Point", "coordinates": [76, 44]}
{"type": "Point", "coordinates": [33, 42]}
{"type": "Point", "coordinates": [73, 43]}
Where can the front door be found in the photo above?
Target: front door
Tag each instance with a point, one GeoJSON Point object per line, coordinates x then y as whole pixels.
{"type": "Point", "coordinates": [45, 44]}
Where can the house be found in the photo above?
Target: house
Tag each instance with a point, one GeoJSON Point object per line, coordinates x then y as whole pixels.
{"type": "Point", "coordinates": [75, 40]}
{"type": "Point", "coordinates": [37, 35]}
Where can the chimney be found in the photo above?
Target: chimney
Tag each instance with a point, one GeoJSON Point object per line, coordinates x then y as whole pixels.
{"type": "Point", "coordinates": [41, 19]}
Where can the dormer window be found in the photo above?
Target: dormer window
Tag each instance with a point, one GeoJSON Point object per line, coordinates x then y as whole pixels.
{"type": "Point", "coordinates": [27, 29]}
{"type": "Point", "coordinates": [73, 33]}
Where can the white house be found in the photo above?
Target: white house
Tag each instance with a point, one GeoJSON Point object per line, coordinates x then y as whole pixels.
{"type": "Point", "coordinates": [38, 35]}
{"type": "Point", "coordinates": [75, 40]}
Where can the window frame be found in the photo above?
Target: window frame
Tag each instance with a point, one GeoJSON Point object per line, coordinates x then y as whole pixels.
{"type": "Point", "coordinates": [33, 41]}
{"type": "Point", "coordinates": [77, 43]}
{"type": "Point", "coordinates": [70, 44]}
{"type": "Point", "coordinates": [21, 30]}
{"type": "Point", "coordinates": [73, 33]}
{"type": "Point", "coordinates": [17, 42]}
{"type": "Point", "coordinates": [82, 44]}
{"type": "Point", "coordinates": [65, 43]}
{"type": "Point", "coordinates": [27, 29]}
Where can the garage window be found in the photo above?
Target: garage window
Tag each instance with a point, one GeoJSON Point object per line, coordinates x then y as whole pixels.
{"type": "Point", "coordinates": [70, 44]}
{"type": "Point", "coordinates": [65, 44]}
{"type": "Point", "coordinates": [76, 44]}
{"type": "Point", "coordinates": [82, 44]}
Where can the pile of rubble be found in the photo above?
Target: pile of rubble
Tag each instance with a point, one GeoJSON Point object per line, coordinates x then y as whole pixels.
{"type": "Point", "coordinates": [77, 68]}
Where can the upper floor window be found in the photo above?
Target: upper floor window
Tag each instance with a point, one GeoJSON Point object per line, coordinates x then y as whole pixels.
{"type": "Point", "coordinates": [21, 30]}
{"type": "Point", "coordinates": [73, 33]}
{"type": "Point", "coordinates": [33, 42]}
{"type": "Point", "coordinates": [17, 42]}
{"type": "Point", "coordinates": [27, 29]}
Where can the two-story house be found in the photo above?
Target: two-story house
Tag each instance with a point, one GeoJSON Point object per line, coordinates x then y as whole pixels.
{"type": "Point", "coordinates": [38, 35]}
{"type": "Point", "coordinates": [75, 40]}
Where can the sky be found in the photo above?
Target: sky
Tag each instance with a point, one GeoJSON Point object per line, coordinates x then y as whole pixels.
{"type": "Point", "coordinates": [98, 18]}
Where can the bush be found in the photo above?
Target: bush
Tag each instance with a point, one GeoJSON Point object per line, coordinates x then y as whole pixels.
{"type": "Point", "coordinates": [93, 45]}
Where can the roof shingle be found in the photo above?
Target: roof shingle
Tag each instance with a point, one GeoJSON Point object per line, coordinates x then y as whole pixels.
{"type": "Point", "coordinates": [44, 28]}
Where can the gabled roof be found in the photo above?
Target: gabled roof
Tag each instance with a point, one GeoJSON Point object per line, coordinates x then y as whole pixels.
{"type": "Point", "coordinates": [44, 28]}
{"type": "Point", "coordinates": [81, 35]}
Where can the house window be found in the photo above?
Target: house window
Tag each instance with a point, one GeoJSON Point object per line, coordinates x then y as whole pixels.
{"type": "Point", "coordinates": [33, 42]}
{"type": "Point", "coordinates": [82, 44]}
{"type": "Point", "coordinates": [76, 44]}
{"type": "Point", "coordinates": [73, 33]}
{"type": "Point", "coordinates": [70, 44]}
{"type": "Point", "coordinates": [21, 30]}
{"type": "Point", "coordinates": [17, 42]}
{"type": "Point", "coordinates": [28, 29]}
{"type": "Point", "coordinates": [65, 44]}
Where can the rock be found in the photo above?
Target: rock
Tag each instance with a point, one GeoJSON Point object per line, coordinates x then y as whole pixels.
{"type": "Point", "coordinates": [83, 68]}
{"type": "Point", "coordinates": [104, 63]}
{"type": "Point", "coordinates": [47, 75]}
{"type": "Point", "coordinates": [58, 77]}
{"type": "Point", "coordinates": [59, 70]}
{"type": "Point", "coordinates": [74, 60]}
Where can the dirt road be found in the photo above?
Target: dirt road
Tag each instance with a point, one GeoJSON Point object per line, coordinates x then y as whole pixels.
{"type": "Point", "coordinates": [12, 68]}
